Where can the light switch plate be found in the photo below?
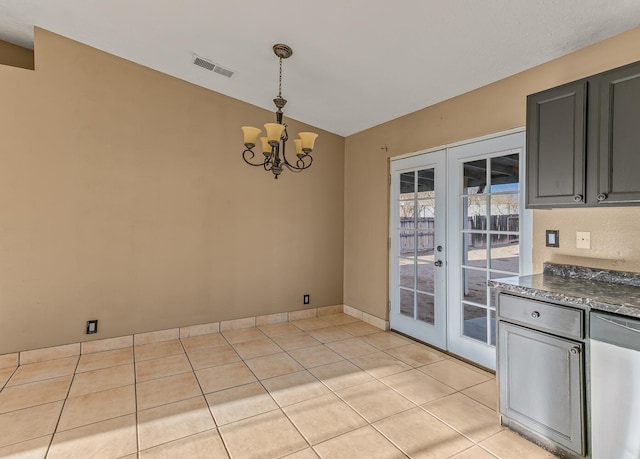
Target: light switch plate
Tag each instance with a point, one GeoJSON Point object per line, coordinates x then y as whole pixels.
{"type": "Point", "coordinates": [583, 240]}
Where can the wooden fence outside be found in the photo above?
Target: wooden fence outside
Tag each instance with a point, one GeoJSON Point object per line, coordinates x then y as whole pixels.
{"type": "Point", "coordinates": [424, 235]}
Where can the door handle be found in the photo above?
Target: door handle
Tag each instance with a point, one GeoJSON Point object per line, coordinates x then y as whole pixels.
{"type": "Point", "coordinates": [438, 263]}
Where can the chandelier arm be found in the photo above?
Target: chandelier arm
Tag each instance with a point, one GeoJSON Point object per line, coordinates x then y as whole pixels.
{"type": "Point", "coordinates": [301, 160]}
{"type": "Point", "coordinates": [293, 169]}
{"type": "Point", "coordinates": [301, 163]}
{"type": "Point", "coordinates": [247, 158]}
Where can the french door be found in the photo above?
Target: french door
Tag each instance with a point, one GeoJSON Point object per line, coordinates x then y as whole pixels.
{"type": "Point", "coordinates": [457, 221]}
{"type": "Point", "coordinates": [418, 273]}
{"type": "Point", "coordinates": [489, 232]}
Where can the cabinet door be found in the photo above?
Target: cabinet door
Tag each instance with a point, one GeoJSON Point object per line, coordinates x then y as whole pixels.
{"type": "Point", "coordinates": [619, 153]}
{"type": "Point", "coordinates": [542, 384]}
{"type": "Point", "coordinates": [556, 148]}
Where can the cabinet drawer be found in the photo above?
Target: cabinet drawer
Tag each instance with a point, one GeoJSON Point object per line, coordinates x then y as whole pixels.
{"type": "Point", "coordinates": [559, 320]}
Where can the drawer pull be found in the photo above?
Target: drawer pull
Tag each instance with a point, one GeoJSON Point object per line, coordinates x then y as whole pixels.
{"type": "Point", "coordinates": [575, 350]}
{"type": "Point", "coordinates": [535, 314]}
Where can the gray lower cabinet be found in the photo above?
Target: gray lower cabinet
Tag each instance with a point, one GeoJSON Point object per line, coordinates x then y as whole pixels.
{"type": "Point", "coordinates": [540, 374]}
{"type": "Point", "coordinates": [583, 142]}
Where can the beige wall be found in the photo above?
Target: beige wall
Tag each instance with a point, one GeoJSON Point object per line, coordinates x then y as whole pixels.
{"type": "Point", "coordinates": [16, 56]}
{"type": "Point", "coordinates": [490, 109]}
{"type": "Point", "coordinates": [124, 198]}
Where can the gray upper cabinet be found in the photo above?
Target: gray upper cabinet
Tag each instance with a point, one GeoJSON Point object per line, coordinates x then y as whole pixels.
{"type": "Point", "coordinates": [619, 153]}
{"type": "Point", "coordinates": [556, 146]}
{"type": "Point", "coordinates": [583, 142]}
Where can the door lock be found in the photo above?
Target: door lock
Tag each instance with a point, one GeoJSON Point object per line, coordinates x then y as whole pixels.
{"type": "Point", "coordinates": [438, 263]}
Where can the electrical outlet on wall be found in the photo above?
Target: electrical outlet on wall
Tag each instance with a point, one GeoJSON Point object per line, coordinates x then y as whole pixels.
{"type": "Point", "coordinates": [92, 327]}
{"type": "Point", "coordinates": [583, 240]}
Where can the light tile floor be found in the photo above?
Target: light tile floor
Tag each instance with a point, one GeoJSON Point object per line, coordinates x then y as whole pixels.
{"type": "Point", "coordinates": [329, 387]}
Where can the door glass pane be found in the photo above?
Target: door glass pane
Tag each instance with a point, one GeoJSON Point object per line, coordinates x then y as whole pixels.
{"type": "Point", "coordinates": [505, 172]}
{"type": "Point", "coordinates": [407, 185]}
{"type": "Point", "coordinates": [505, 212]}
{"type": "Point", "coordinates": [426, 183]}
{"type": "Point", "coordinates": [474, 322]}
{"type": "Point", "coordinates": [474, 249]}
{"type": "Point", "coordinates": [475, 216]}
{"type": "Point", "coordinates": [406, 302]}
{"type": "Point", "coordinates": [407, 269]}
{"type": "Point", "coordinates": [407, 214]}
{"type": "Point", "coordinates": [474, 285]}
{"type": "Point", "coordinates": [425, 308]}
{"type": "Point", "coordinates": [496, 275]}
{"type": "Point", "coordinates": [407, 243]}
{"type": "Point", "coordinates": [426, 274]}
{"type": "Point", "coordinates": [426, 213]}
{"type": "Point", "coordinates": [475, 177]}
{"type": "Point", "coordinates": [426, 241]}
{"type": "Point", "coordinates": [505, 254]}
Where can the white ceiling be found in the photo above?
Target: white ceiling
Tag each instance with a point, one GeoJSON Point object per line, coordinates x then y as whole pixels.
{"type": "Point", "coordinates": [356, 63]}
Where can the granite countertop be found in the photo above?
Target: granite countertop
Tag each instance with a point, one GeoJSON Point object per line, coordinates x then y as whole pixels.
{"type": "Point", "coordinates": [596, 289]}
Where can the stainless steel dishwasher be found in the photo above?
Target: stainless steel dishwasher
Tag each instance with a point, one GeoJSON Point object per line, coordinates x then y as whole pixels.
{"type": "Point", "coordinates": [615, 387]}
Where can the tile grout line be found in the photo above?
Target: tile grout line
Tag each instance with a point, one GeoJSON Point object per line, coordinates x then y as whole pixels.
{"type": "Point", "coordinates": [332, 392]}
{"type": "Point", "coordinates": [9, 378]}
{"type": "Point", "coordinates": [476, 443]}
{"type": "Point", "coordinates": [135, 395]}
{"type": "Point", "coordinates": [204, 396]}
{"type": "Point", "coordinates": [279, 408]}
{"type": "Point", "coordinates": [415, 405]}
{"type": "Point", "coordinates": [64, 403]}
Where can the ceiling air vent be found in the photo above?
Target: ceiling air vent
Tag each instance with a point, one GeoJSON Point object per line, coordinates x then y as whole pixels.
{"type": "Point", "coordinates": [207, 64]}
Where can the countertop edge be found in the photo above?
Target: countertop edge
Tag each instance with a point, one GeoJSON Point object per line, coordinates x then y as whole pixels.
{"type": "Point", "coordinates": [510, 285]}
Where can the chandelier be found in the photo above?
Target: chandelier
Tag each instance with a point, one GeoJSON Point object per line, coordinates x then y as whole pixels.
{"type": "Point", "coordinates": [273, 144]}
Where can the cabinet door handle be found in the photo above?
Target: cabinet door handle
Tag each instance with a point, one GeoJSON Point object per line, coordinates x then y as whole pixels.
{"type": "Point", "coordinates": [577, 198]}
{"type": "Point", "coordinates": [535, 314]}
{"type": "Point", "coordinates": [601, 197]}
{"type": "Point", "coordinates": [575, 350]}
